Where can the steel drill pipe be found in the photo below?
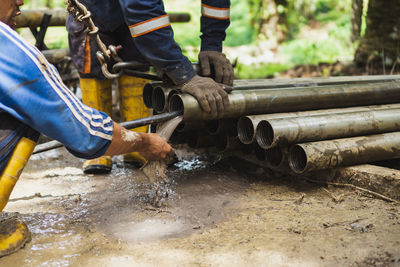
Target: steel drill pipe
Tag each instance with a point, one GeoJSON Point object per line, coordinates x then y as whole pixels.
{"type": "Point", "coordinates": [228, 126]}
{"type": "Point", "coordinates": [247, 125]}
{"type": "Point", "coordinates": [227, 143]}
{"type": "Point", "coordinates": [148, 93]}
{"type": "Point", "coordinates": [160, 96]}
{"type": "Point", "coordinates": [190, 126]}
{"type": "Point", "coordinates": [296, 99]}
{"type": "Point", "coordinates": [34, 18]}
{"type": "Point", "coordinates": [200, 140]}
{"type": "Point", "coordinates": [246, 149]}
{"type": "Point", "coordinates": [304, 82]}
{"type": "Point", "coordinates": [344, 152]}
{"type": "Point", "coordinates": [323, 127]}
{"type": "Point", "coordinates": [259, 152]}
{"type": "Point", "coordinates": [277, 158]}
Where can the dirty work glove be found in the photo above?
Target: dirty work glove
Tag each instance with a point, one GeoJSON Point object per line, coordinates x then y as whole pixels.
{"type": "Point", "coordinates": [222, 66]}
{"type": "Point", "coordinates": [210, 95]}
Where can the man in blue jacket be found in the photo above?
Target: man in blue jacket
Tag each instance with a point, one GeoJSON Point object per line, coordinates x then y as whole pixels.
{"type": "Point", "coordinates": [33, 99]}
{"type": "Point", "coordinates": [143, 30]}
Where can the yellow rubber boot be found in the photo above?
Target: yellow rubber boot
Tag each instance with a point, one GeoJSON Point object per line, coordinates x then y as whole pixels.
{"type": "Point", "coordinates": [132, 107]}
{"type": "Point", "coordinates": [97, 94]}
{"type": "Point", "coordinates": [14, 234]}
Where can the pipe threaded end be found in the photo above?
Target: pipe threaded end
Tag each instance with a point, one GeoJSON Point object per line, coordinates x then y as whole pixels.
{"type": "Point", "coordinates": [245, 130]}
{"type": "Point", "coordinates": [158, 99]}
{"type": "Point", "coordinates": [176, 103]}
{"type": "Point", "coordinates": [274, 156]}
{"type": "Point", "coordinates": [297, 159]}
{"type": "Point", "coordinates": [265, 134]}
{"type": "Point", "coordinates": [147, 95]}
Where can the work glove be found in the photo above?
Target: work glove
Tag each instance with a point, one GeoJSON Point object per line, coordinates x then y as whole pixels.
{"type": "Point", "coordinates": [223, 69]}
{"type": "Point", "coordinates": [210, 95]}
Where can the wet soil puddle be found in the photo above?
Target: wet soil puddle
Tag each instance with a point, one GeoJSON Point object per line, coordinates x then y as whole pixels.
{"type": "Point", "coordinates": [215, 216]}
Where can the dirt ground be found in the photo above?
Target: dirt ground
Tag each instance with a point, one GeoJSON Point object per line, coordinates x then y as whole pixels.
{"type": "Point", "coordinates": [224, 214]}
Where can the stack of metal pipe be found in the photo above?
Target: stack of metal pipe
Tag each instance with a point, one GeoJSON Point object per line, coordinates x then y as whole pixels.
{"type": "Point", "coordinates": [297, 125]}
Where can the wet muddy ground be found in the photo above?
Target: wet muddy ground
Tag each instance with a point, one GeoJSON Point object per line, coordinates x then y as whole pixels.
{"type": "Point", "coordinates": [224, 214]}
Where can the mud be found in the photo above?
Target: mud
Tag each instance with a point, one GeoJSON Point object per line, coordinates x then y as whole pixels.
{"type": "Point", "coordinates": [224, 214]}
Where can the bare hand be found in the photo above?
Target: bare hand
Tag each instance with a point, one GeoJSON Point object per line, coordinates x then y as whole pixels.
{"type": "Point", "coordinates": [154, 147]}
{"type": "Point", "coordinates": [210, 95]}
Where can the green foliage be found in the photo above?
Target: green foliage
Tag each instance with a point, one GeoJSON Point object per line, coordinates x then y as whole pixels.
{"type": "Point", "coordinates": [301, 12]}
{"type": "Point", "coordinates": [56, 37]}
{"type": "Point", "coordinates": [35, 4]}
{"type": "Point", "coordinates": [267, 70]}
{"type": "Point", "coordinates": [240, 31]}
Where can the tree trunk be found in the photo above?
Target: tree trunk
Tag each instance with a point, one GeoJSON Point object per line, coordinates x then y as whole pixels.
{"type": "Point", "coordinates": [269, 19]}
{"type": "Point", "coordinates": [380, 47]}
{"type": "Point", "coordinates": [356, 18]}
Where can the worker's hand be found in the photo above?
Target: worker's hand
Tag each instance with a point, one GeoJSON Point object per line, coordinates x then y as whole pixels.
{"type": "Point", "coordinates": [210, 95]}
{"type": "Point", "coordinates": [222, 66]}
{"type": "Point", "coordinates": [154, 147]}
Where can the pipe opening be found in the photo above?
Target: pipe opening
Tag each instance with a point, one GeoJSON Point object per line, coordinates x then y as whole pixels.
{"type": "Point", "coordinates": [212, 126]}
{"type": "Point", "coordinates": [175, 104]}
{"type": "Point", "coordinates": [181, 127]}
{"type": "Point", "coordinates": [246, 149]}
{"type": "Point", "coordinates": [147, 95]}
{"type": "Point", "coordinates": [265, 134]}
{"type": "Point", "coordinates": [297, 159]}
{"type": "Point", "coordinates": [158, 99]}
{"type": "Point", "coordinates": [171, 93]}
{"type": "Point", "coordinates": [274, 156]}
{"type": "Point", "coordinates": [245, 130]}
{"type": "Point", "coordinates": [259, 152]}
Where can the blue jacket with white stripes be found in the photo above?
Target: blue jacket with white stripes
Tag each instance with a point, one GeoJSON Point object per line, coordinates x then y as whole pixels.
{"type": "Point", "coordinates": [157, 44]}
{"type": "Point", "coordinates": [32, 91]}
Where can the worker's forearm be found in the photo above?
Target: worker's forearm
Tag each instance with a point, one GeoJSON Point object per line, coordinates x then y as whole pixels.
{"type": "Point", "coordinates": [151, 146]}
{"type": "Point", "coordinates": [123, 141]}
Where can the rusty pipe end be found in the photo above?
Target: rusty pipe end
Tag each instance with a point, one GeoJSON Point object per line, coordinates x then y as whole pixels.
{"type": "Point", "coordinates": [147, 95]}
{"type": "Point", "coordinates": [158, 99]}
{"type": "Point", "coordinates": [245, 130]}
{"type": "Point", "coordinates": [265, 135]}
{"type": "Point", "coordinates": [298, 159]}
{"type": "Point", "coordinates": [274, 156]}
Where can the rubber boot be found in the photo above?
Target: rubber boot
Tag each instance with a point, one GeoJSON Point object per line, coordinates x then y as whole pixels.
{"type": "Point", "coordinates": [14, 234]}
{"type": "Point", "coordinates": [97, 94]}
{"type": "Point", "coordinates": [132, 107]}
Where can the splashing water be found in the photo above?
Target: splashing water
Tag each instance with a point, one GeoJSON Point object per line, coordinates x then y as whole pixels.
{"type": "Point", "coordinates": [156, 170]}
